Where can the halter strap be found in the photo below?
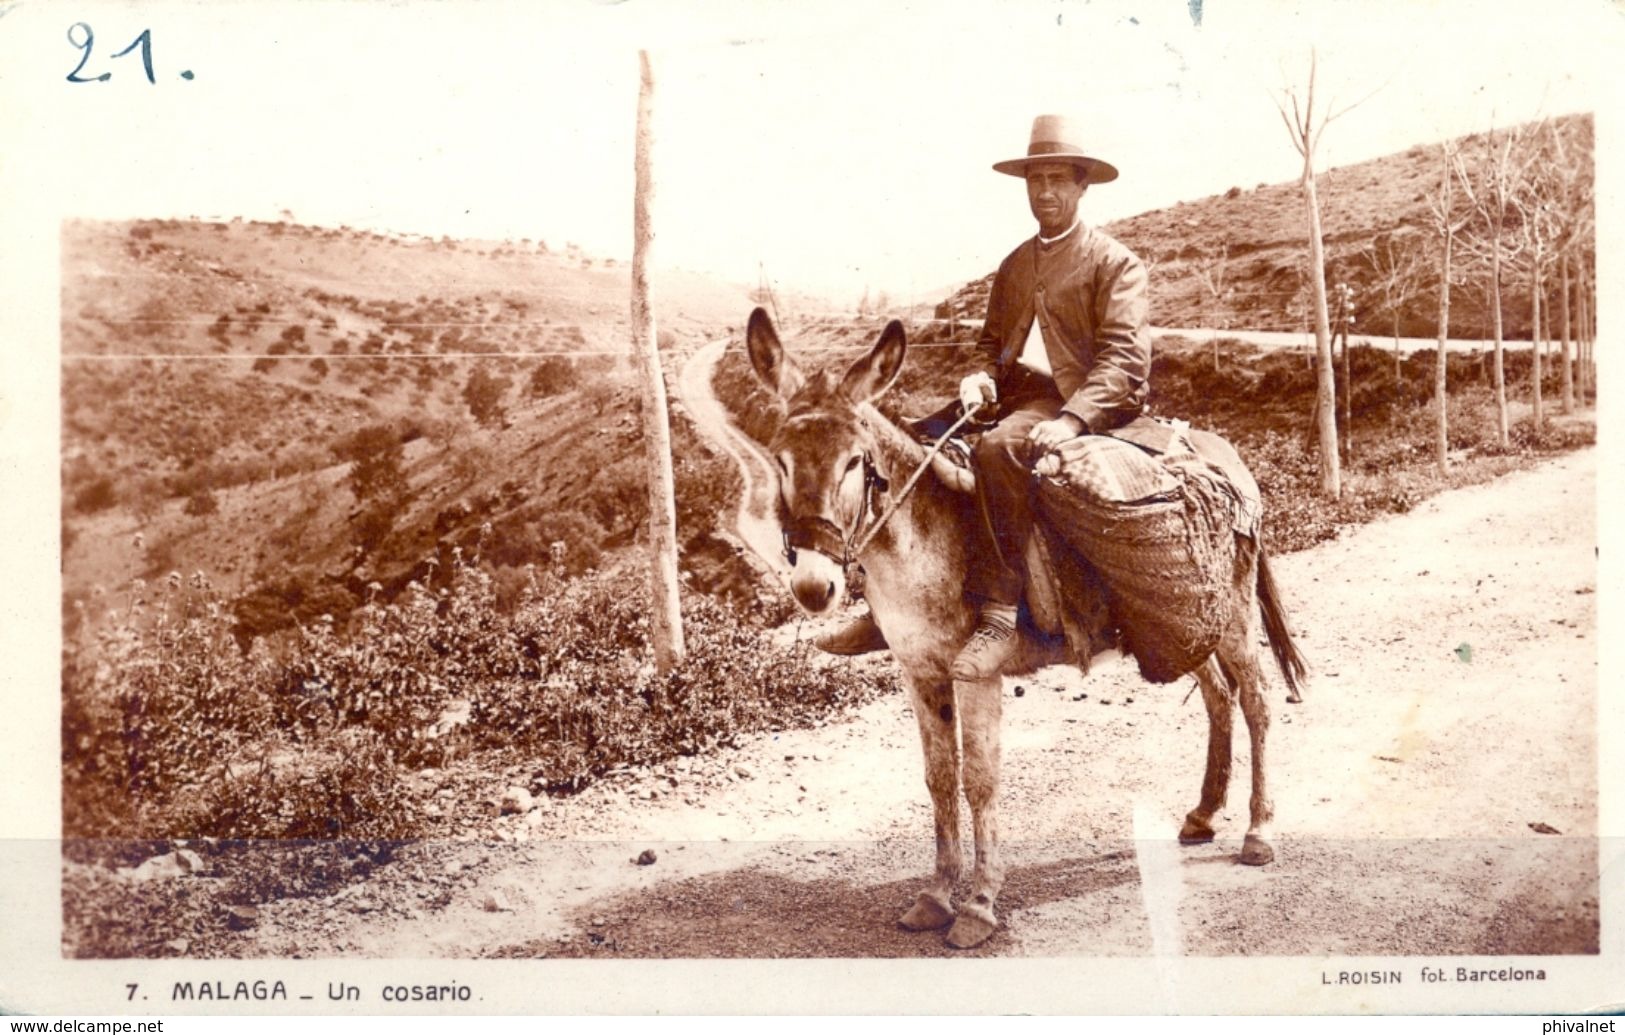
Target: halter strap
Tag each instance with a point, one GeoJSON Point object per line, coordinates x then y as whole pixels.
{"type": "Point", "coordinates": [821, 535]}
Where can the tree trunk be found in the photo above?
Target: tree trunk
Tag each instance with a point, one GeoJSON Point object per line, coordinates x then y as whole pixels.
{"type": "Point", "coordinates": [1581, 354]}
{"type": "Point", "coordinates": [1503, 431]}
{"type": "Point", "coordinates": [1399, 375]}
{"type": "Point", "coordinates": [1568, 366]}
{"type": "Point", "coordinates": [1535, 342]}
{"type": "Point", "coordinates": [1331, 479]}
{"type": "Point", "coordinates": [666, 625]}
{"type": "Point", "coordinates": [1348, 393]}
{"type": "Point", "coordinates": [1441, 436]}
{"type": "Point", "coordinates": [1588, 326]}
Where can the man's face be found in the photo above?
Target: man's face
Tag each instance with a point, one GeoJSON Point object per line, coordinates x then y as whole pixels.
{"type": "Point", "coordinates": [1053, 191]}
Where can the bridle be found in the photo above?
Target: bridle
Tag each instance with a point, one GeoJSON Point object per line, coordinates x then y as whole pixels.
{"type": "Point", "coordinates": [821, 535]}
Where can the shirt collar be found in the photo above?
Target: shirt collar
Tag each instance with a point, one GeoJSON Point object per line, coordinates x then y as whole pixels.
{"type": "Point", "coordinates": [1063, 235]}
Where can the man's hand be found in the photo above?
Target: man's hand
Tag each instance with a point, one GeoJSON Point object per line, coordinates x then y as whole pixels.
{"type": "Point", "coordinates": [978, 390]}
{"type": "Point", "coordinates": [1048, 434]}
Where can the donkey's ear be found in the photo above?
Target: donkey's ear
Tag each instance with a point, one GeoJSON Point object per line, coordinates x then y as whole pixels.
{"type": "Point", "coordinates": [870, 376]}
{"type": "Point", "coordinates": [776, 370]}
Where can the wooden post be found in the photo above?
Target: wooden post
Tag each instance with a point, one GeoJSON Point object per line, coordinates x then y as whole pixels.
{"type": "Point", "coordinates": [666, 621]}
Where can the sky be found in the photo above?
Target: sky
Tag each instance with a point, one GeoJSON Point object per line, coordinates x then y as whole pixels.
{"type": "Point", "coordinates": [839, 147]}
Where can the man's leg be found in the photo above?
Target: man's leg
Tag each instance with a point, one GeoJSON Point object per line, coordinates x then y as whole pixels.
{"type": "Point", "coordinates": [861, 635]}
{"type": "Point", "coordinates": [997, 571]}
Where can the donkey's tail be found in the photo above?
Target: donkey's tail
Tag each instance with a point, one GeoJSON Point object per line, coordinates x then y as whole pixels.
{"type": "Point", "coordinates": [1294, 669]}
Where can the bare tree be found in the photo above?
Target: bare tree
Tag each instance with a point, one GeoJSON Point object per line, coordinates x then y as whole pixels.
{"type": "Point", "coordinates": [1571, 192]}
{"type": "Point", "coordinates": [1399, 270]}
{"type": "Point", "coordinates": [1306, 128]}
{"type": "Point", "coordinates": [1448, 222]}
{"type": "Point", "coordinates": [1490, 185]}
{"type": "Point", "coordinates": [1213, 271]}
{"type": "Point", "coordinates": [1536, 231]}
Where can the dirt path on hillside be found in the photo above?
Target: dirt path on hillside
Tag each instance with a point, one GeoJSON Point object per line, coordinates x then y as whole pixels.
{"type": "Point", "coordinates": [754, 523]}
{"type": "Point", "coordinates": [1435, 794]}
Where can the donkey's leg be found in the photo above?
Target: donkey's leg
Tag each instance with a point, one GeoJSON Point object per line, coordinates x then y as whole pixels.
{"type": "Point", "coordinates": [1216, 695]}
{"type": "Point", "coordinates": [980, 704]}
{"type": "Point", "coordinates": [934, 710]}
{"type": "Point", "coordinates": [1240, 655]}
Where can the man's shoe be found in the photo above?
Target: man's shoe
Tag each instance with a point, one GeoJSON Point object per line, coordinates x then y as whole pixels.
{"type": "Point", "coordinates": [992, 646]}
{"type": "Point", "coordinates": [859, 636]}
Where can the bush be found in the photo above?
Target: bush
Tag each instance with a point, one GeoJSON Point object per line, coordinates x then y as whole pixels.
{"type": "Point", "coordinates": [553, 375]}
{"type": "Point", "coordinates": [170, 730]}
{"type": "Point", "coordinates": [377, 457]}
{"type": "Point", "coordinates": [573, 687]}
{"type": "Point", "coordinates": [152, 706]}
{"type": "Point", "coordinates": [483, 393]}
{"type": "Point", "coordinates": [99, 494]}
{"type": "Point", "coordinates": [202, 503]}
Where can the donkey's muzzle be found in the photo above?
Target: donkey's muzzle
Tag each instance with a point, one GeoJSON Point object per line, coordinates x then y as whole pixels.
{"type": "Point", "coordinates": [815, 593]}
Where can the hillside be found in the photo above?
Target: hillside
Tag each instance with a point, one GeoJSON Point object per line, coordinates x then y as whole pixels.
{"type": "Point", "coordinates": [223, 384]}
{"type": "Point", "coordinates": [1261, 232]}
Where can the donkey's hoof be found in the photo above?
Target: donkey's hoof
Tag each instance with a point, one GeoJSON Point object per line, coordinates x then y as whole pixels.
{"type": "Point", "coordinates": [1255, 851]}
{"type": "Point", "coordinates": [1195, 831]}
{"type": "Point", "coordinates": [975, 925]}
{"type": "Point", "coordinates": [928, 913]}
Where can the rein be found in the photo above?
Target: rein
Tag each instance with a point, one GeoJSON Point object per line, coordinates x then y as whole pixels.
{"type": "Point", "coordinates": [818, 533]}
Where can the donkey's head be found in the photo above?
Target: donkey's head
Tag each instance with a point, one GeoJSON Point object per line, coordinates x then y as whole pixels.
{"type": "Point", "coordinates": [829, 481]}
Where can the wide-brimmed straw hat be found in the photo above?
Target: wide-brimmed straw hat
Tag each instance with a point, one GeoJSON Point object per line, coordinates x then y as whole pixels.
{"type": "Point", "coordinates": [1056, 139]}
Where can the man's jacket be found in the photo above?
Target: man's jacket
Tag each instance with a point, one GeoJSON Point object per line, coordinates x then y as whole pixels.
{"type": "Point", "coordinates": [1088, 293]}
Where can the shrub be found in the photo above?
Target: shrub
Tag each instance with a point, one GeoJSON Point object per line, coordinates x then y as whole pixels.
{"type": "Point", "coordinates": [377, 457]}
{"type": "Point", "coordinates": [574, 689]}
{"type": "Point", "coordinates": [99, 494]}
{"type": "Point", "coordinates": [553, 375]}
{"type": "Point", "coordinates": [152, 706]}
{"type": "Point", "coordinates": [202, 503]}
{"type": "Point", "coordinates": [170, 730]}
{"type": "Point", "coordinates": [483, 393]}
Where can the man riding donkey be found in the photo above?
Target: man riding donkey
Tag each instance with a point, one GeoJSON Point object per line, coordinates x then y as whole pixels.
{"type": "Point", "coordinates": [1067, 353]}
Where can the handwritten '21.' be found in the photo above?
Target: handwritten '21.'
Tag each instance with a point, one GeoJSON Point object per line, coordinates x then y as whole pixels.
{"type": "Point", "coordinates": [87, 40]}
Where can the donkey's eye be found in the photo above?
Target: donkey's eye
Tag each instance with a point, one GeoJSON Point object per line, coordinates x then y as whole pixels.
{"type": "Point", "coordinates": [852, 463]}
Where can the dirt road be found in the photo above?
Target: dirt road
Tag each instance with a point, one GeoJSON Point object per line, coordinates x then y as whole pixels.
{"type": "Point", "coordinates": [753, 521]}
{"type": "Point", "coordinates": [1436, 793]}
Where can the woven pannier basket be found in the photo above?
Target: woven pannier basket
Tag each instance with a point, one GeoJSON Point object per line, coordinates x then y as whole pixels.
{"type": "Point", "coordinates": [1160, 533]}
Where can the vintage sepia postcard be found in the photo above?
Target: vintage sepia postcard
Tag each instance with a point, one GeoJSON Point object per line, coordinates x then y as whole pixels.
{"type": "Point", "coordinates": [1029, 507]}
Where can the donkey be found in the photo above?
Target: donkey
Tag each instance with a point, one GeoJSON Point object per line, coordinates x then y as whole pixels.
{"type": "Point", "coordinates": [839, 461]}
